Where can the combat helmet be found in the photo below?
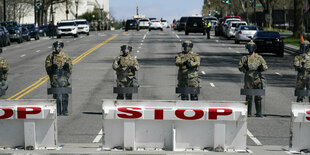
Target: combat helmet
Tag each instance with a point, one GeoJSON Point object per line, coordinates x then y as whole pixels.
{"type": "Point", "coordinates": [251, 46]}
{"type": "Point", "coordinates": [126, 49]}
{"type": "Point", "coordinates": [58, 45]}
{"type": "Point", "coordinates": [304, 46]}
{"type": "Point", "coordinates": [187, 46]}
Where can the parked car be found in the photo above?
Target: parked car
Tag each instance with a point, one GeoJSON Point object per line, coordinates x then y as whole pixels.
{"type": "Point", "coordinates": [195, 25]}
{"type": "Point", "coordinates": [218, 27]}
{"type": "Point", "coordinates": [43, 30]}
{"type": "Point", "coordinates": [269, 42]}
{"type": "Point", "coordinates": [67, 28]}
{"type": "Point", "coordinates": [155, 25]}
{"type": "Point", "coordinates": [181, 26]}
{"type": "Point", "coordinates": [5, 36]}
{"type": "Point", "coordinates": [34, 32]}
{"type": "Point", "coordinates": [226, 24]}
{"type": "Point", "coordinates": [245, 33]}
{"type": "Point", "coordinates": [15, 30]}
{"type": "Point", "coordinates": [131, 24]}
{"type": "Point", "coordinates": [176, 25]}
{"type": "Point", "coordinates": [232, 26]}
{"type": "Point", "coordinates": [164, 23]}
{"type": "Point", "coordinates": [83, 26]}
{"type": "Point", "coordinates": [26, 34]}
{"type": "Point", "coordinates": [143, 24]}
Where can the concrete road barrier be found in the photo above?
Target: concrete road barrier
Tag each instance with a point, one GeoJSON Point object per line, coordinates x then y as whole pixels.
{"type": "Point", "coordinates": [300, 127]}
{"type": "Point", "coordinates": [29, 124]}
{"type": "Point", "coordinates": [174, 125]}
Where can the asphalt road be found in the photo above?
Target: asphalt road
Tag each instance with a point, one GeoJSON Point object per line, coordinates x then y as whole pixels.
{"type": "Point", "coordinates": [93, 78]}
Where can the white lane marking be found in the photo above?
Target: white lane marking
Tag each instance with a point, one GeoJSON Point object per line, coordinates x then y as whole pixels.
{"type": "Point", "coordinates": [217, 41]}
{"type": "Point", "coordinates": [180, 40]}
{"type": "Point", "coordinates": [278, 73]}
{"type": "Point", "coordinates": [139, 47]}
{"type": "Point", "coordinates": [98, 137]}
{"type": "Point", "coordinates": [38, 51]}
{"type": "Point", "coordinates": [23, 55]}
{"type": "Point", "coordinates": [249, 151]}
{"type": "Point", "coordinates": [144, 37]}
{"type": "Point", "coordinates": [203, 72]}
{"type": "Point", "coordinates": [50, 47]}
{"type": "Point", "coordinates": [141, 44]}
{"type": "Point", "coordinates": [177, 36]}
{"type": "Point", "coordinates": [212, 84]}
{"type": "Point", "coordinates": [256, 141]}
{"type": "Point", "coordinates": [99, 148]}
{"type": "Point", "coordinates": [142, 41]}
{"type": "Point", "coordinates": [60, 147]}
{"type": "Point", "coordinates": [74, 39]}
{"type": "Point", "coordinates": [229, 48]}
{"type": "Point", "coordinates": [237, 52]}
{"type": "Point", "coordinates": [138, 51]}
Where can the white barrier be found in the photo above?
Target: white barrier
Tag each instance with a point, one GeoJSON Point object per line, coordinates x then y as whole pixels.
{"type": "Point", "coordinates": [300, 127]}
{"type": "Point", "coordinates": [28, 123]}
{"type": "Point", "coordinates": [174, 125]}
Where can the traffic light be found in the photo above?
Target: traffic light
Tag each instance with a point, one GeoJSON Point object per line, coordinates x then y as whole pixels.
{"type": "Point", "coordinates": [227, 1]}
{"type": "Point", "coordinates": [216, 12]}
{"type": "Point", "coordinates": [37, 4]}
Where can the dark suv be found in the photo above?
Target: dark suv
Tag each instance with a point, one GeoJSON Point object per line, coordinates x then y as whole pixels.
{"type": "Point", "coordinates": [15, 30]}
{"type": "Point", "coordinates": [131, 24]}
{"type": "Point", "coordinates": [34, 32]}
{"type": "Point", "coordinates": [181, 26]}
{"type": "Point", "coordinates": [195, 25]}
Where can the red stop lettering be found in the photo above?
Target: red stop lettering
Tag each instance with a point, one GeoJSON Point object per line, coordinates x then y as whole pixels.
{"type": "Point", "coordinates": [131, 113]}
{"type": "Point", "coordinates": [159, 114]}
{"type": "Point", "coordinates": [180, 114]}
{"type": "Point", "coordinates": [7, 113]}
{"type": "Point", "coordinates": [23, 111]}
{"type": "Point", "coordinates": [214, 112]}
{"type": "Point", "coordinates": [308, 112]}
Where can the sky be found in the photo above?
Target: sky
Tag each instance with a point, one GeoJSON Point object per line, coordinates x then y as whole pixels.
{"type": "Point", "coordinates": [166, 9]}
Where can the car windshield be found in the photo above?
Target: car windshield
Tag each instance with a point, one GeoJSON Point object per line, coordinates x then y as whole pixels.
{"type": "Point", "coordinates": [183, 19]}
{"type": "Point", "coordinates": [268, 34]}
{"type": "Point", "coordinates": [29, 26]}
{"type": "Point", "coordinates": [66, 24]}
{"type": "Point", "coordinates": [130, 21]}
{"type": "Point", "coordinates": [163, 21]}
{"type": "Point", "coordinates": [81, 22]}
{"type": "Point", "coordinates": [10, 24]}
{"type": "Point", "coordinates": [248, 28]}
{"type": "Point", "coordinates": [194, 20]}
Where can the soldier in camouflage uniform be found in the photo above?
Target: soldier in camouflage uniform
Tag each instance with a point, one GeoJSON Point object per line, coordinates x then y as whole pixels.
{"type": "Point", "coordinates": [188, 63]}
{"type": "Point", "coordinates": [58, 66]}
{"type": "Point", "coordinates": [302, 65]}
{"type": "Point", "coordinates": [252, 65]}
{"type": "Point", "coordinates": [126, 66]}
{"type": "Point", "coordinates": [4, 68]}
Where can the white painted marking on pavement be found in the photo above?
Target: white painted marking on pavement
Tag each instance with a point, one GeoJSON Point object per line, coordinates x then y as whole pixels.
{"type": "Point", "coordinates": [74, 39]}
{"type": "Point", "coordinates": [249, 151]}
{"type": "Point", "coordinates": [203, 72]}
{"type": "Point", "coordinates": [98, 137]}
{"type": "Point", "coordinates": [256, 141]}
{"type": "Point", "coordinates": [50, 47]}
{"type": "Point", "coordinates": [229, 48]}
{"type": "Point", "coordinates": [141, 44]}
{"type": "Point", "coordinates": [140, 47]}
{"type": "Point", "coordinates": [212, 84]}
{"type": "Point", "coordinates": [38, 51]}
{"type": "Point", "coordinates": [177, 36]}
{"type": "Point", "coordinates": [99, 148]}
{"type": "Point", "coordinates": [142, 41]}
{"type": "Point", "coordinates": [23, 55]}
{"type": "Point", "coordinates": [288, 152]}
{"type": "Point", "coordinates": [180, 40]}
{"type": "Point", "coordinates": [278, 73]}
{"type": "Point", "coordinates": [217, 41]}
{"type": "Point", "coordinates": [237, 52]}
{"type": "Point", "coordinates": [60, 147]}
{"type": "Point", "coordinates": [144, 37]}
{"type": "Point", "coordinates": [138, 51]}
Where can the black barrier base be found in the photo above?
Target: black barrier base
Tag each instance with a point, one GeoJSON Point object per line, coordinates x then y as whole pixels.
{"type": "Point", "coordinates": [59, 90]}
{"type": "Point", "coordinates": [125, 90]}
{"type": "Point", "coordinates": [187, 90]}
{"type": "Point", "coordinates": [253, 92]}
{"type": "Point", "coordinates": [302, 92]}
{"type": "Point", "coordinates": [2, 92]}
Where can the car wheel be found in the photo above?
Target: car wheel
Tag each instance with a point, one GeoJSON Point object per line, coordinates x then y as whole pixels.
{"type": "Point", "coordinates": [9, 42]}
{"type": "Point", "coordinates": [87, 33]}
{"type": "Point", "coordinates": [204, 32]}
{"type": "Point", "coordinates": [161, 29]}
{"type": "Point", "coordinates": [126, 29]}
{"type": "Point", "coordinates": [37, 37]}
{"type": "Point", "coordinates": [237, 41]}
{"type": "Point", "coordinates": [58, 37]}
{"type": "Point", "coordinates": [28, 38]}
{"type": "Point", "coordinates": [186, 33]}
{"type": "Point", "coordinates": [149, 29]}
{"type": "Point", "coordinates": [76, 35]}
{"type": "Point", "coordinates": [280, 53]}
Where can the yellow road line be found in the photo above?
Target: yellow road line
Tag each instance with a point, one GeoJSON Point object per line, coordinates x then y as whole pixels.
{"type": "Point", "coordinates": [125, 32]}
{"type": "Point", "coordinates": [45, 78]}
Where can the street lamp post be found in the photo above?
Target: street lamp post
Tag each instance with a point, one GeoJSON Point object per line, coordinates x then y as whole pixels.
{"type": "Point", "coordinates": [77, 7]}
{"type": "Point", "coordinates": [4, 10]}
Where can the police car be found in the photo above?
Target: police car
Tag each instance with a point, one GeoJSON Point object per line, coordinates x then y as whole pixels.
{"type": "Point", "coordinates": [67, 28]}
{"type": "Point", "coordinates": [83, 26]}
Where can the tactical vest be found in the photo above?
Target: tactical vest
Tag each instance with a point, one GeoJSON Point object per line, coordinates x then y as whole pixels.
{"type": "Point", "coordinates": [305, 61]}
{"type": "Point", "coordinates": [253, 63]}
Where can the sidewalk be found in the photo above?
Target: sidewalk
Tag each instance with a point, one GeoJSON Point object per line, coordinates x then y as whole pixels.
{"type": "Point", "coordinates": [95, 148]}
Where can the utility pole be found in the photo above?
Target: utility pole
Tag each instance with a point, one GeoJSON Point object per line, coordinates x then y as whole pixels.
{"type": "Point", "coordinates": [67, 11]}
{"type": "Point", "coordinates": [4, 10]}
{"type": "Point", "coordinates": [255, 12]}
{"type": "Point", "coordinates": [52, 11]}
{"type": "Point", "coordinates": [137, 10]}
{"type": "Point", "coordinates": [35, 12]}
{"type": "Point", "coordinates": [77, 8]}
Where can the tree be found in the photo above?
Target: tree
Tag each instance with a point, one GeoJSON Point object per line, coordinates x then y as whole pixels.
{"type": "Point", "coordinates": [299, 27]}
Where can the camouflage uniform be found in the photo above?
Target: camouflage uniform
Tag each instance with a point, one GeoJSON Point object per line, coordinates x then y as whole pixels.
{"type": "Point", "coordinates": [252, 66]}
{"type": "Point", "coordinates": [302, 65]}
{"type": "Point", "coordinates": [59, 67]}
{"type": "Point", "coordinates": [4, 66]}
{"type": "Point", "coordinates": [188, 64]}
{"type": "Point", "coordinates": [126, 67]}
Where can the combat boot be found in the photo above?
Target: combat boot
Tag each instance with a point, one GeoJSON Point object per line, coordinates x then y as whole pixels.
{"type": "Point", "coordinates": [258, 107]}
{"type": "Point", "coordinates": [300, 99]}
{"type": "Point", "coordinates": [184, 96]}
{"type": "Point", "coordinates": [194, 97]}
{"type": "Point", "coordinates": [249, 99]}
{"type": "Point", "coordinates": [120, 96]}
{"type": "Point", "coordinates": [128, 96]}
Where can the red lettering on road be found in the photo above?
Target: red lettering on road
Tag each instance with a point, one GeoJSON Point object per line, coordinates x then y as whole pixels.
{"type": "Point", "coordinates": [131, 113]}
{"type": "Point", "coordinates": [7, 113]}
{"type": "Point", "coordinates": [214, 112]}
{"type": "Point", "coordinates": [198, 114]}
{"type": "Point", "coordinates": [23, 111]}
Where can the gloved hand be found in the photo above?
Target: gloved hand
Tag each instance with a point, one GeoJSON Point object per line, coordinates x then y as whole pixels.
{"type": "Point", "coordinates": [260, 68]}
{"type": "Point", "coordinates": [66, 67]}
{"type": "Point", "coordinates": [188, 64]}
{"type": "Point", "coordinates": [54, 67]}
{"type": "Point", "coordinates": [246, 67]}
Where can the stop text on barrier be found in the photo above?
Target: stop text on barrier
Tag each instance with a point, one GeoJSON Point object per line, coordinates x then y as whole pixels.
{"type": "Point", "coordinates": [20, 112]}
